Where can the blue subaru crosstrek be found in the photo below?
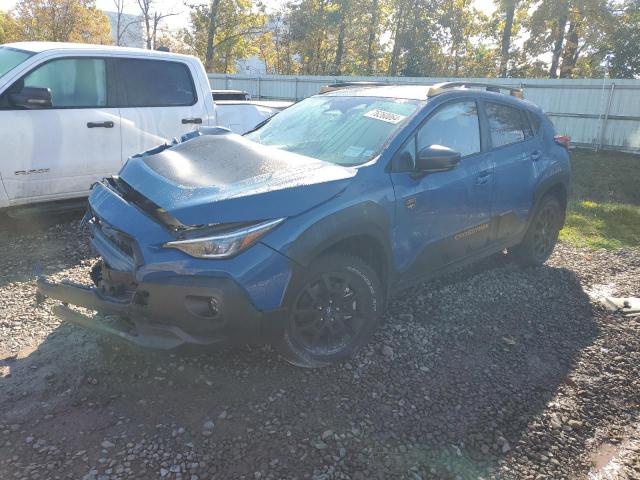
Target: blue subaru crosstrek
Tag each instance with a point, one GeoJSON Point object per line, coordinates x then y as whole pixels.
{"type": "Point", "coordinates": [297, 232]}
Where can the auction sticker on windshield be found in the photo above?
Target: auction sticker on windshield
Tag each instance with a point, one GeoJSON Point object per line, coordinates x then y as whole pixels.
{"type": "Point", "coordinates": [385, 116]}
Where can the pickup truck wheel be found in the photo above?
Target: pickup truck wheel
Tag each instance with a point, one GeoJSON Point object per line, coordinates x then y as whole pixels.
{"type": "Point", "coordinates": [334, 311]}
{"type": "Point", "coordinates": [542, 234]}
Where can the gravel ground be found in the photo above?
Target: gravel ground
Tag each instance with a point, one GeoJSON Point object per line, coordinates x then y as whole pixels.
{"type": "Point", "coordinates": [493, 372]}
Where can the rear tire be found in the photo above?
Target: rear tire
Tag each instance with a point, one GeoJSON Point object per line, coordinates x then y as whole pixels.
{"type": "Point", "coordinates": [334, 310]}
{"type": "Point", "coordinates": [542, 234]}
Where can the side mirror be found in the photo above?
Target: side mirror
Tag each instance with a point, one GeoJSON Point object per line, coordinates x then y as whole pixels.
{"type": "Point", "coordinates": [436, 158]}
{"type": "Point", "coordinates": [32, 98]}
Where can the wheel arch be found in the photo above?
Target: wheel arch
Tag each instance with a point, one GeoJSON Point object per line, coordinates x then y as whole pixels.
{"type": "Point", "coordinates": [556, 188]}
{"type": "Point", "coordinates": [360, 230]}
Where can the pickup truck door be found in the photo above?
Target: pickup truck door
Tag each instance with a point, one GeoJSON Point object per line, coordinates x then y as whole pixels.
{"type": "Point", "coordinates": [48, 153]}
{"type": "Point", "coordinates": [159, 100]}
{"type": "Point", "coordinates": [442, 217]}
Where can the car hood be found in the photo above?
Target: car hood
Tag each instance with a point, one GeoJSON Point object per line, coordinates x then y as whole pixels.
{"type": "Point", "coordinates": [226, 178]}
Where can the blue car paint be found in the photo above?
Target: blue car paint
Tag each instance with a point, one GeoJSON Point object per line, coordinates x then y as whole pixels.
{"type": "Point", "coordinates": [445, 204]}
{"type": "Point", "coordinates": [264, 279]}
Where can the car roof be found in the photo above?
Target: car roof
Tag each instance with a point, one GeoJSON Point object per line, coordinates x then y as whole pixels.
{"type": "Point", "coordinates": [408, 92]}
{"type": "Point", "coordinates": [38, 47]}
{"type": "Point", "coordinates": [421, 93]}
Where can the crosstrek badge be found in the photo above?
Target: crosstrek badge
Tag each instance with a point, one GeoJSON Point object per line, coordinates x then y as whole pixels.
{"type": "Point", "coordinates": [385, 116]}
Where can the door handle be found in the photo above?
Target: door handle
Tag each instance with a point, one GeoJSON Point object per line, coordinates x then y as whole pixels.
{"type": "Point", "coordinates": [483, 177]}
{"type": "Point", "coordinates": [191, 120]}
{"type": "Point", "coordinates": [535, 155]}
{"type": "Point", "coordinates": [108, 124]}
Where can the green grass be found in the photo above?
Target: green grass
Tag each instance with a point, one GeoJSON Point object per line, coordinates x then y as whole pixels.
{"type": "Point", "coordinates": [604, 203]}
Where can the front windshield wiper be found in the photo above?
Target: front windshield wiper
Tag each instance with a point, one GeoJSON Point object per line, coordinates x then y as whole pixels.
{"type": "Point", "coordinates": [260, 125]}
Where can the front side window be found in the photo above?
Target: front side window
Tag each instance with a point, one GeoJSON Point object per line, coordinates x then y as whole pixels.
{"type": "Point", "coordinates": [507, 124]}
{"type": "Point", "coordinates": [456, 126]}
{"type": "Point", "coordinates": [74, 82]}
{"type": "Point", "coordinates": [155, 83]}
{"type": "Point", "coordinates": [346, 130]}
{"type": "Point", "coordinates": [10, 58]}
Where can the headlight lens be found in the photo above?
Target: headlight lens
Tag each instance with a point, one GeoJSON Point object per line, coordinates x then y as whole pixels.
{"type": "Point", "coordinates": [224, 245]}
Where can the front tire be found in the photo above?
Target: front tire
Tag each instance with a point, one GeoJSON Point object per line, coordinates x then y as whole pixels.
{"type": "Point", "coordinates": [542, 234]}
{"type": "Point", "coordinates": [335, 308]}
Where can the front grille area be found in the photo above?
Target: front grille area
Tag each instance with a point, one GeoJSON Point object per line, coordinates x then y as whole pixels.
{"type": "Point", "coordinates": [123, 242]}
{"type": "Point", "coordinates": [117, 248]}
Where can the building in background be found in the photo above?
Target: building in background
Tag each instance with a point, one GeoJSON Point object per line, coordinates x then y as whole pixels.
{"type": "Point", "coordinates": [131, 33]}
{"type": "Point", "coordinates": [252, 65]}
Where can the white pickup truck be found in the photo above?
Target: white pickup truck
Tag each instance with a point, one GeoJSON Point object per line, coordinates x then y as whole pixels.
{"type": "Point", "coordinates": [71, 114]}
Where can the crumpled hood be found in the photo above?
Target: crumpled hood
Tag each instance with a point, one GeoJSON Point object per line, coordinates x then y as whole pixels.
{"type": "Point", "coordinates": [227, 178]}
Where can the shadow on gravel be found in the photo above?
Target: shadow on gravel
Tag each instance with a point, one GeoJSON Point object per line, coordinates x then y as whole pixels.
{"type": "Point", "coordinates": [472, 359]}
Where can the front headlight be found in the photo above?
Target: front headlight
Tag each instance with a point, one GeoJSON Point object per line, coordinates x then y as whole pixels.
{"type": "Point", "coordinates": [224, 245]}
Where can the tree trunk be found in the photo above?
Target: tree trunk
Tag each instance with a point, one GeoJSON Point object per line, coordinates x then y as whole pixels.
{"type": "Point", "coordinates": [147, 27]}
{"type": "Point", "coordinates": [557, 46]}
{"type": "Point", "coordinates": [395, 52]}
{"type": "Point", "coordinates": [510, 8]}
{"type": "Point", "coordinates": [317, 54]}
{"type": "Point", "coordinates": [372, 37]}
{"type": "Point", "coordinates": [340, 47]}
{"type": "Point", "coordinates": [211, 32]}
{"type": "Point", "coordinates": [570, 54]}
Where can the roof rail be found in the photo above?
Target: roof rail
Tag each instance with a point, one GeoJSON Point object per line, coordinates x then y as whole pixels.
{"type": "Point", "coordinates": [341, 85]}
{"type": "Point", "coordinates": [439, 88]}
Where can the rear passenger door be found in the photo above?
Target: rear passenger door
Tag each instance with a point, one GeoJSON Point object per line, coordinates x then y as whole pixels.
{"type": "Point", "coordinates": [515, 151]}
{"type": "Point", "coordinates": [158, 102]}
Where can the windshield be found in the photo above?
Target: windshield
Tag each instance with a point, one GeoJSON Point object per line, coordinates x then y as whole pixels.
{"type": "Point", "coordinates": [10, 58]}
{"type": "Point", "coordinates": [337, 129]}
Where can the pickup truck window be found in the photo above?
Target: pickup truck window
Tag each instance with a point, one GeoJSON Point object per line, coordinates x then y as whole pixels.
{"type": "Point", "coordinates": [338, 129]}
{"type": "Point", "coordinates": [10, 58]}
{"type": "Point", "coordinates": [155, 83]}
{"type": "Point", "coordinates": [74, 82]}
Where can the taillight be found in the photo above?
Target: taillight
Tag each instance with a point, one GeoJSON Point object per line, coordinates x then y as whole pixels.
{"type": "Point", "coordinates": [563, 140]}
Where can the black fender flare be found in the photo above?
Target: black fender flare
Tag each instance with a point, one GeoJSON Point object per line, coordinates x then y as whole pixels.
{"type": "Point", "coordinates": [544, 187]}
{"type": "Point", "coordinates": [364, 219]}
{"type": "Point", "coordinates": [367, 219]}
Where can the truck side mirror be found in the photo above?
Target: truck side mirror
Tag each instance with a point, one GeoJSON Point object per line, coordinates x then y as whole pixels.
{"type": "Point", "coordinates": [436, 158]}
{"type": "Point", "coordinates": [32, 98]}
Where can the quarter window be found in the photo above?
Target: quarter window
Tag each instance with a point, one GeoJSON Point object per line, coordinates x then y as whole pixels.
{"type": "Point", "coordinates": [455, 126]}
{"type": "Point", "coordinates": [507, 124]}
{"type": "Point", "coordinates": [535, 122]}
{"type": "Point", "coordinates": [74, 82]}
{"type": "Point", "coordinates": [154, 83]}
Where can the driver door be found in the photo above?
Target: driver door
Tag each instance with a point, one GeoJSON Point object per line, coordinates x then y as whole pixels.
{"type": "Point", "coordinates": [49, 153]}
{"type": "Point", "coordinates": [442, 217]}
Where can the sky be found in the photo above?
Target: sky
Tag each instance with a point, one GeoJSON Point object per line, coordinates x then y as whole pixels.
{"type": "Point", "coordinates": [181, 20]}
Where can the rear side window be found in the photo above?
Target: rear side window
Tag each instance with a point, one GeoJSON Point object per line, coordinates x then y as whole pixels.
{"type": "Point", "coordinates": [455, 125]}
{"type": "Point", "coordinates": [74, 82]}
{"type": "Point", "coordinates": [507, 124]}
{"type": "Point", "coordinates": [154, 83]}
{"type": "Point", "coordinates": [535, 122]}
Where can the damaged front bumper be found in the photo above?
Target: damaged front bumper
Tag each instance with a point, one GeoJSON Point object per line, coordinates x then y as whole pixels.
{"type": "Point", "coordinates": [164, 314]}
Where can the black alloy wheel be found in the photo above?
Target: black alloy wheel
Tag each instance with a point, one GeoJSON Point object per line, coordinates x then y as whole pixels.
{"type": "Point", "coordinates": [333, 312]}
{"type": "Point", "coordinates": [542, 234]}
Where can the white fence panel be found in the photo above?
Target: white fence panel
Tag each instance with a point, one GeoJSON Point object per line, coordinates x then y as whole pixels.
{"type": "Point", "coordinates": [596, 113]}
